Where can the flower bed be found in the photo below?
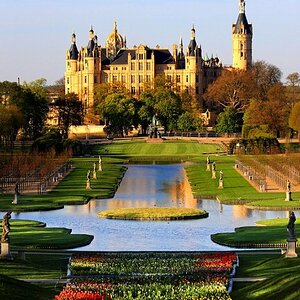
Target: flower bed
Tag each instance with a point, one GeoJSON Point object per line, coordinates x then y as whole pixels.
{"type": "Point", "coordinates": [158, 276]}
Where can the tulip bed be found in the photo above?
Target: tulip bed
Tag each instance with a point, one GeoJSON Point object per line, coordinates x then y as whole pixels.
{"type": "Point", "coordinates": [160, 276]}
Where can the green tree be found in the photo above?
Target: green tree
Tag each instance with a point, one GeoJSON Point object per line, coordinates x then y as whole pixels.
{"type": "Point", "coordinates": [167, 107]}
{"type": "Point", "coordinates": [229, 121]}
{"type": "Point", "coordinates": [119, 113]}
{"type": "Point", "coordinates": [69, 110]}
{"type": "Point", "coordinates": [11, 120]}
{"type": "Point", "coordinates": [186, 122]}
{"type": "Point", "coordinates": [294, 119]}
{"type": "Point", "coordinates": [293, 89]}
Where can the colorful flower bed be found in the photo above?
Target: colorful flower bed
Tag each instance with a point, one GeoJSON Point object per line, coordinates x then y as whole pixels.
{"type": "Point", "coordinates": [158, 276]}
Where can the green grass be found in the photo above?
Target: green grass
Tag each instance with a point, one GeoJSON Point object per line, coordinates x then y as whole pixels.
{"type": "Point", "coordinates": [167, 148]}
{"type": "Point", "coordinates": [34, 235]}
{"type": "Point", "coordinates": [273, 232]}
{"type": "Point", "coordinates": [72, 189]}
{"type": "Point", "coordinates": [283, 278]}
{"type": "Point", "coordinates": [237, 190]}
{"type": "Point", "coordinates": [154, 213]}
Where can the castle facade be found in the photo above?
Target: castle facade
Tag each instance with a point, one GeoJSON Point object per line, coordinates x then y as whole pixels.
{"type": "Point", "coordinates": [137, 67]}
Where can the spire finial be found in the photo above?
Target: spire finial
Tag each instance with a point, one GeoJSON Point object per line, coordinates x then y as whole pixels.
{"type": "Point", "coordinates": [91, 28]}
{"type": "Point", "coordinates": [242, 6]}
{"type": "Point", "coordinates": [193, 31]}
{"type": "Point", "coordinates": [115, 24]}
{"type": "Point", "coordinates": [73, 38]}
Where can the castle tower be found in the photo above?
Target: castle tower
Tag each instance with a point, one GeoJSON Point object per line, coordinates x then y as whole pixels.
{"type": "Point", "coordinates": [242, 33]}
{"type": "Point", "coordinates": [114, 43]}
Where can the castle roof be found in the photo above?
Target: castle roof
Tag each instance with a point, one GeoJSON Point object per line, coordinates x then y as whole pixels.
{"type": "Point", "coordinates": [161, 56]}
{"type": "Point", "coordinates": [242, 23]}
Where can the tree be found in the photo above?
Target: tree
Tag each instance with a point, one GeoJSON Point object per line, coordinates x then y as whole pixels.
{"type": "Point", "coordinates": [229, 121]}
{"type": "Point", "coordinates": [293, 90]}
{"type": "Point", "coordinates": [69, 110]}
{"type": "Point", "coordinates": [187, 122]}
{"type": "Point", "coordinates": [233, 88]}
{"type": "Point", "coordinates": [30, 102]}
{"type": "Point", "coordinates": [272, 112]}
{"type": "Point", "coordinates": [265, 76]}
{"type": "Point", "coordinates": [294, 119]}
{"type": "Point", "coordinates": [119, 113]}
{"type": "Point", "coordinates": [167, 108]}
{"type": "Point", "coordinates": [11, 120]}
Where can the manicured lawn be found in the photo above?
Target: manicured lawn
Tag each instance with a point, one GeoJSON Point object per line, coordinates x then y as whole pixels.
{"type": "Point", "coordinates": [166, 149]}
{"type": "Point", "coordinates": [34, 235]}
{"type": "Point", "coordinates": [154, 213]}
{"type": "Point", "coordinates": [273, 232]}
{"type": "Point", "coordinates": [282, 275]}
{"type": "Point", "coordinates": [72, 189]}
{"type": "Point", "coordinates": [237, 190]}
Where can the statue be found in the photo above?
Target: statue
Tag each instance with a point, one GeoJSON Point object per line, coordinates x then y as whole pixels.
{"type": "Point", "coordinates": [207, 164]}
{"type": "Point", "coordinates": [214, 166]}
{"type": "Point", "coordinates": [288, 196]}
{"type": "Point", "coordinates": [5, 227]}
{"type": "Point", "coordinates": [88, 176]}
{"type": "Point", "coordinates": [88, 180]}
{"type": "Point", "coordinates": [17, 193]}
{"type": "Point", "coordinates": [221, 175]}
{"type": "Point", "coordinates": [288, 186]}
{"type": "Point", "coordinates": [100, 164]}
{"type": "Point", "coordinates": [95, 172]}
{"type": "Point", "coordinates": [291, 226]}
{"type": "Point", "coordinates": [213, 170]}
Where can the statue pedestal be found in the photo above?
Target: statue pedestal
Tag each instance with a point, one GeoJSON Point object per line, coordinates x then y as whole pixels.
{"type": "Point", "coordinates": [213, 175]}
{"type": "Point", "coordinates": [207, 167]}
{"type": "Point", "coordinates": [15, 201]}
{"type": "Point", "coordinates": [94, 175]}
{"type": "Point", "coordinates": [5, 251]}
{"type": "Point", "coordinates": [288, 196]}
{"type": "Point", "coordinates": [221, 184]}
{"type": "Point", "coordinates": [291, 248]}
{"type": "Point", "coordinates": [88, 185]}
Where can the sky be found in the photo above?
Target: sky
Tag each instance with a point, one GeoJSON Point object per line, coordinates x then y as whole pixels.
{"type": "Point", "coordinates": [35, 34]}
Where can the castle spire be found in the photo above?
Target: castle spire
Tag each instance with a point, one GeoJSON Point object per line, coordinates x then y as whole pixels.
{"type": "Point", "coordinates": [73, 48]}
{"type": "Point", "coordinates": [242, 6]}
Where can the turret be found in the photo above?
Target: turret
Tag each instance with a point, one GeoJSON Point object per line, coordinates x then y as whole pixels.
{"type": "Point", "coordinates": [242, 33]}
{"type": "Point", "coordinates": [91, 44]}
{"type": "Point", "coordinates": [193, 44]}
{"type": "Point", "coordinates": [73, 48]}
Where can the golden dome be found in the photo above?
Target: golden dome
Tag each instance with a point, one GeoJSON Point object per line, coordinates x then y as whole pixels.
{"type": "Point", "coordinates": [114, 41]}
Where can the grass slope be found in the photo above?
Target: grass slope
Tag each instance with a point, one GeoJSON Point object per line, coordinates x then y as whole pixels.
{"type": "Point", "coordinates": [72, 189]}
{"type": "Point", "coordinates": [273, 232]}
{"type": "Point", "coordinates": [34, 235]}
{"type": "Point", "coordinates": [154, 213]}
{"type": "Point", "coordinates": [237, 190]}
{"type": "Point", "coordinates": [283, 278]}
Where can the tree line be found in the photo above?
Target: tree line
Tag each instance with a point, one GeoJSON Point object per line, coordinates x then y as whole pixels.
{"type": "Point", "coordinates": [256, 100]}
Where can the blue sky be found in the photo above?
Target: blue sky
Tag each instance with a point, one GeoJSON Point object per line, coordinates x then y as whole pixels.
{"type": "Point", "coordinates": [35, 34]}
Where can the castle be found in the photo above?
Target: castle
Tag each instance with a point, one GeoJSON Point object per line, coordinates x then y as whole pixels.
{"type": "Point", "coordinates": [137, 67]}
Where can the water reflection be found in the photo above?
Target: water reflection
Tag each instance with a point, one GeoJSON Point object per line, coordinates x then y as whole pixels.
{"type": "Point", "coordinates": [146, 186]}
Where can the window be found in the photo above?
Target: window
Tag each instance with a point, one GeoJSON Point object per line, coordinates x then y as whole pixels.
{"type": "Point", "coordinates": [68, 80]}
{"type": "Point", "coordinates": [115, 78]}
{"type": "Point", "coordinates": [133, 90]}
{"type": "Point", "coordinates": [242, 54]}
{"type": "Point", "coordinates": [169, 78]}
{"type": "Point", "coordinates": [140, 78]}
{"type": "Point", "coordinates": [68, 91]}
{"type": "Point", "coordinates": [148, 66]}
{"type": "Point", "coordinates": [140, 66]}
{"type": "Point", "coordinates": [177, 78]}
{"type": "Point", "coordinates": [85, 90]}
{"type": "Point", "coordinates": [242, 46]}
{"type": "Point", "coordinates": [123, 78]}
{"type": "Point", "coordinates": [85, 79]}
{"type": "Point", "coordinates": [187, 78]}
{"type": "Point", "coordinates": [95, 79]}
{"type": "Point", "coordinates": [148, 78]}
{"type": "Point", "coordinates": [141, 56]}
{"type": "Point", "coordinates": [132, 66]}
{"type": "Point", "coordinates": [132, 79]}
{"type": "Point", "coordinates": [105, 78]}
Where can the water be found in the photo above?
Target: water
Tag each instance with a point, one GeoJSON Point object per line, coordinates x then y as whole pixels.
{"type": "Point", "coordinates": [144, 186]}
